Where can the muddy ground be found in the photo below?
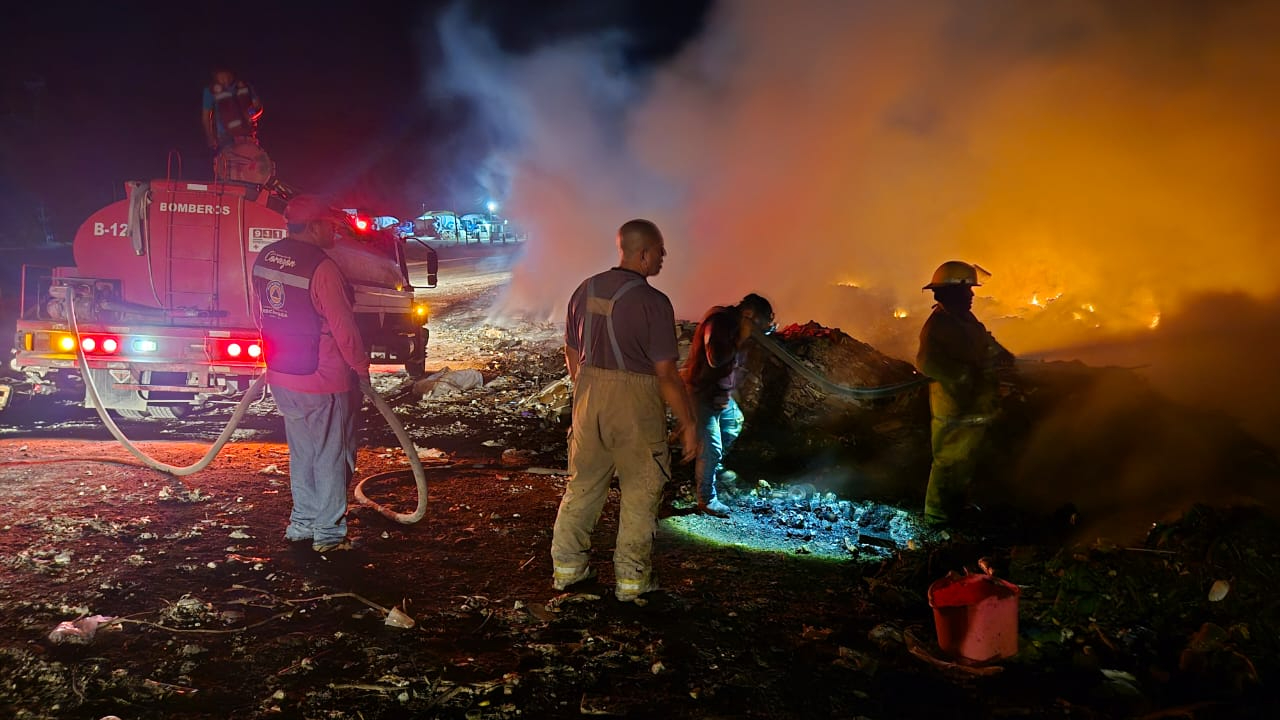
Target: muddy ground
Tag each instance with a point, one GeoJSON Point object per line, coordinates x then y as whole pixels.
{"type": "Point", "coordinates": [800, 605]}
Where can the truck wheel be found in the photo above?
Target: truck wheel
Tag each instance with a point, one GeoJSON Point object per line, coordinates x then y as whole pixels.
{"type": "Point", "coordinates": [416, 365]}
{"type": "Point", "coordinates": [169, 412]}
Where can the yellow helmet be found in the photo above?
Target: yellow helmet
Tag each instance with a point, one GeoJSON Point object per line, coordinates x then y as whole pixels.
{"type": "Point", "coordinates": [954, 272]}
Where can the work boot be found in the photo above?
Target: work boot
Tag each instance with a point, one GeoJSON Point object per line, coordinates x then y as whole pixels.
{"type": "Point", "coordinates": [715, 507]}
{"type": "Point", "coordinates": [327, 546]}
{"type": "Point", "coordinates": [562, 582]}
{"type": "Point", "coordinates": [725, 475]}
{"type": "Point", "coordinates": [629, 591]}
{"type": "Point", "coordinates": [936, 522]}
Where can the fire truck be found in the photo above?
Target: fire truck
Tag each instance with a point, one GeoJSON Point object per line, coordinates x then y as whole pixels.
{"type": "Point", "coordinates": [160, 302]}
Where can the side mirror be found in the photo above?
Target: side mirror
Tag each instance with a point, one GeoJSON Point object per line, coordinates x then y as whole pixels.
{"type": "Point", "coordinates": [433, 266]}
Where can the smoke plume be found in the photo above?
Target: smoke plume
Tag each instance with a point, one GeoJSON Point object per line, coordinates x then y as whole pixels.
{"type": "Point", "coordinates": [1110, 165]}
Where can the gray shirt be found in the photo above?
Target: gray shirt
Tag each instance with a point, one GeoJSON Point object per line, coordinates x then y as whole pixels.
{"type": "Point", "coordinates": [643, 323]}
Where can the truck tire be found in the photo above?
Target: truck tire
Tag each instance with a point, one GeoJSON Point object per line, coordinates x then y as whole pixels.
{"type": "Point", "coordinates": [168, 412]}
{"type": "Point", "coordinates": [416, 364]}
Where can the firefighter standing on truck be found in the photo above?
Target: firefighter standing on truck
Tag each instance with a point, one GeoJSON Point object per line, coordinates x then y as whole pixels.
{"type": "Point", "coordinates": [621, 352]}
{"type": "Point", "coordinates": [230, 111]}
{"type": "Point", "coordinates": [963, 360]}
{"type": "Point", "coordinates": [312, 346]}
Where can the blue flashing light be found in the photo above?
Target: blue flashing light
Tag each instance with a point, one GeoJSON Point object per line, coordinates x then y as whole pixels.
{"type": "Point", "coordinates": [145, 345]}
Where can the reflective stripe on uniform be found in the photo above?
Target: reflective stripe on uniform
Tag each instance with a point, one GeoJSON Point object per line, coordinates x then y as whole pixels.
{"type": "Point", "coordinates": [561, 572]}
{"type": "Point", "coordinates": [629, 586]}
{"type": "Point", "coordinates": [284, 277]}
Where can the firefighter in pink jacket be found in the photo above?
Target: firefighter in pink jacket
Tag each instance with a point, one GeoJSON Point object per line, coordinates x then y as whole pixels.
{"type": "Point", "coordinates": [314, 353]}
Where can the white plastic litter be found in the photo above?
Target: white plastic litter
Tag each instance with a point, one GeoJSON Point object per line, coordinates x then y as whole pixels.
{"type": "Point", "coordinates": [1219, 590]}
{"type": "Point", "coordinates": [448, 382]}
{"type": "Point", "coordinates": [397, 618]}
{"type": "Point", "coordinates": [78, 632]}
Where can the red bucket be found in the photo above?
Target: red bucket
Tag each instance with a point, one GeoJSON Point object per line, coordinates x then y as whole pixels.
{"type": "Point", "coordinates": [976, 616]}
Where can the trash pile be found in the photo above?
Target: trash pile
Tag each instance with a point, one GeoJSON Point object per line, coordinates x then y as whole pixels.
{"type": "Point", "coordinates": [857, 448]}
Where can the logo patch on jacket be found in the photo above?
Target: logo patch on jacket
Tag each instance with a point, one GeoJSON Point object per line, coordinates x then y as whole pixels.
{"type": "Point", "coordinates": [275, 294]}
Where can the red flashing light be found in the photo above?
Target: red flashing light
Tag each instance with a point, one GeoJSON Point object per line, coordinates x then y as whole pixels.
{"type": "Point", "coordinates": [233, 350]}
{"type": "Point", "coordinates": [99, 344]}
{"type": "Point", "coordinates": [362, 223]}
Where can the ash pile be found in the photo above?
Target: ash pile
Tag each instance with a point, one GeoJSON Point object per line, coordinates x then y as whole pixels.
{"type": "Point", "coordinates": [801, 512]}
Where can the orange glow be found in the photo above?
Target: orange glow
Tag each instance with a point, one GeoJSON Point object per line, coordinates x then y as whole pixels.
{"type": "Point", "coordinates": [900, 313]}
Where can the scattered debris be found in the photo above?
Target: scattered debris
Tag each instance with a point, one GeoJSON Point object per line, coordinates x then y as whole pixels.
{"type": "Point", "coordinates": [553, 402]}
{"type": "Point", "coordinates": [511, 457]}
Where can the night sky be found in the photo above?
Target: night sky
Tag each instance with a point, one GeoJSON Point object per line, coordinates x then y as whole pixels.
{"type": "Point", "coordinates": [92, 95]}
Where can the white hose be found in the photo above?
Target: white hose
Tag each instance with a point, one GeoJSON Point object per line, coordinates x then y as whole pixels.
{"type": "Point", "coordinates": [254, 389]}
{"type": "Point", "coordinates": [419, 472]}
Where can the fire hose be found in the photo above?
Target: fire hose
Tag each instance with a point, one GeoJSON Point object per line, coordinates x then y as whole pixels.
{"type": "Point", "coordinates": [254, 391]}
{"type": "Point", "coordinates": [808, 373]}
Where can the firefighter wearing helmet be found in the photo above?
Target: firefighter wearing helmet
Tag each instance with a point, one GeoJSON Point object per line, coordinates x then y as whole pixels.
{"type": "Point", "coordinates": [962, 360]}
{"type": "Point", "coordinates": [313, 348]}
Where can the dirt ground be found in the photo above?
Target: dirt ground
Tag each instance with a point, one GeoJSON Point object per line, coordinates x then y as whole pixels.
{"type": "Point", "coordinates": [797, 606]}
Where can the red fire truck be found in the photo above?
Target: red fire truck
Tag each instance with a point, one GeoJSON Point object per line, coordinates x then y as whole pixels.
{"type": "Point", "coordinates": [160, 300]}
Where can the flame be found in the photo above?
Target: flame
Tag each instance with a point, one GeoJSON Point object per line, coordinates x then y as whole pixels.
{"type": "Point", "coordinates": [1035, 300]}
{"type": "Point", "coordinates": [899, 313]}
{"type": "Point", "coordinates": [1088, 307]}
{"type": "Point", "coordinates": [848, 283]}
{"type": "Point", "coordinates": [1155, 321]}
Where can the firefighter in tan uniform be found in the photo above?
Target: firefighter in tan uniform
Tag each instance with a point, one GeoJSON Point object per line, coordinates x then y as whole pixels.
{"type": "Point", "coordinates": [620, 349]}
{"type": "Point", "coordinates": [962, 359]}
